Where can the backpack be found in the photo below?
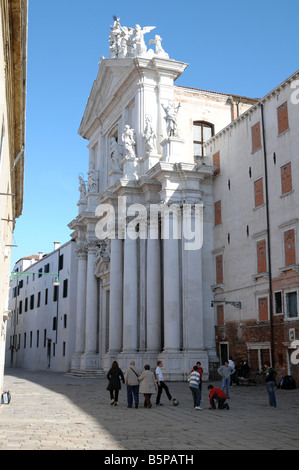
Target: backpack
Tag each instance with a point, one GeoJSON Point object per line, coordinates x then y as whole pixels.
{"type": "Point", "coordinates": [287, 383]}
{"type": "Point", "coordinates": [5, 398]}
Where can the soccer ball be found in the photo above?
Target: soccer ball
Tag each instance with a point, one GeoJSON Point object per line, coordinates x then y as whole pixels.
{"type": "Point", "coordinates": [175, 402]}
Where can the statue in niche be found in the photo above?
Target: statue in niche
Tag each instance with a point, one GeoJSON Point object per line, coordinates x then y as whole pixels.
{"type": "Point", "coordinates": [159, 49]}
{"type": "Point", "coordinates": [171, 118]}
{"type": "Point", "coordinates": [82, 188]}
{"type": "Point", "coordinates": [149, 136]}
{"type": "Point", "coordinates": [129, 142]}
{"type": "Point", "coordinates": [139, 47]}
{"type": "Point", "coordinates": [92, 179]}
{"type": "Point", "coordinates": [115, 155]}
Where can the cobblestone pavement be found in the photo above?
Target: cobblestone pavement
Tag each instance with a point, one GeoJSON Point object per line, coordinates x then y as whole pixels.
{"type": "Point", "coordinates": [54, 411]}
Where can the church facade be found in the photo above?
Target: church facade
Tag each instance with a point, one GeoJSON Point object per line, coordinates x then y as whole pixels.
{"type": "Point", "coordinates": [144, 229]}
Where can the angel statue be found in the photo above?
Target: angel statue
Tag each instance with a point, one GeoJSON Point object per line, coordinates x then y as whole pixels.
{"type": "Point", "coordinates": [139, 47]}
{"type": "Point", "coordinates": [115, 38]}
{"type": "Point", "coordinates": [159, 49]}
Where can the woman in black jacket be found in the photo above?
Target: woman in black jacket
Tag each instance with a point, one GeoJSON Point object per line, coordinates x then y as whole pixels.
{"type": "Point", "coordinates": [115, 376]}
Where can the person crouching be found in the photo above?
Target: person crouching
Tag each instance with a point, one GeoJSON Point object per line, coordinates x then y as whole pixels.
{"type": "Point", "coordinates": [216, 394]}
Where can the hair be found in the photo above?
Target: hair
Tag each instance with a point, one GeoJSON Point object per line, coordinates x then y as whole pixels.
{"type": "Point", "coordinates": [210, 386]}
{"type": "Point", "coordinates": [114, 365]}
{"type": "Point", "coordinates": [159, 362]}
{"type": "Point", "coordinates": [194, 367]}
{"type": "Point", "coordinates": [147, 367]}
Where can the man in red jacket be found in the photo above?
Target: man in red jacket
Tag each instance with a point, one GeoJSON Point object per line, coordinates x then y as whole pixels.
{"type": "Point", "coordinates": [218, 395]}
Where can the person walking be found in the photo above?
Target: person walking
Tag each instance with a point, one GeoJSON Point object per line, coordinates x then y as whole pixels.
{"type": "Point", "coordinates": [270, 375]}
{"type": "Point", "coordinates": [147, 385]}
{"type": "Point", "coordinates": [161, 384]}
{"type": "Point", "coordinates": [194, 385]}
{"type": "Point", "coordinates": [131, 380]}
{"type": "Point", "coordinates": [115, 376]}
{"type": "Point", "coordinates": [226, 371]}
{"type": "Point", "coordinates": [216, 394]}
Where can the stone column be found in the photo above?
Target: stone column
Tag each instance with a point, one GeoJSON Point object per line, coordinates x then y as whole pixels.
{"type": "Point", "coordinates": [172, 303]}
{"type": "Point", "coordinates": [130, 295]}
{"type": "Point", "coordinates": [81, 305]}
{"type": "Point", "coordinates": [91, 325]}
{"type": "Point", "coordinates": [116, 297]}
{"type": "Point", "coordinates": [153, 295]}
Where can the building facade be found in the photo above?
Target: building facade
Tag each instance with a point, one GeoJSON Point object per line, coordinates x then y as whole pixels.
{"type": "Point", "coordinates": [255, 232]}
{"type": "Point", "coordinates": [13, 57]}
{"type": "Point", "coordinates": [42, 301]}
{"type": "Point", "coordinates": [144, 293]}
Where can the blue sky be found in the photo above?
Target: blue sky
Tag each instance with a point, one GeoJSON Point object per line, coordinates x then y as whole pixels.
{"type": "Point", "coordinates": [239, 47]}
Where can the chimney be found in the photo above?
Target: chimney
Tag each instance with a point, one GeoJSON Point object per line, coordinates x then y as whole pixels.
{"type": "Point", "coordinates": [56, 245]}
{"type": "Point", "coordinates": [40, 255]}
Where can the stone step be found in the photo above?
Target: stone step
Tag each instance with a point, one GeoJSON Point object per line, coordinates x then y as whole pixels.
{"type": "Point", "coordinates": [87, 373]}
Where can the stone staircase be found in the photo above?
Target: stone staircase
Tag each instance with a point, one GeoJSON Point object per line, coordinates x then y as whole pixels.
{"type": "Point", "coordinates": [88, 374]}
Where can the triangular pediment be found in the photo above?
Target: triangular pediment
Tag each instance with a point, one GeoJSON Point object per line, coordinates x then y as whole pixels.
{"type": "Point", "coordinates": [112, 73]}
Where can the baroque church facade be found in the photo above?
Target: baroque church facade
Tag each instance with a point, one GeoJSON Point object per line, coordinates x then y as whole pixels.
{"type": "Point", "coordinates": [144, 286]}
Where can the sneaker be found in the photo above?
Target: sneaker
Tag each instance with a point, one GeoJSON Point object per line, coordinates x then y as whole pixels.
{"type": "Point", "coordinates": [197, 408]}
{"type": "Point", "coordinates": [227, 407]}
{"type": "Point", "coordinates": [115, 403]}
{"type": "Point", "coordinates": [112, 402]}
{"type": "Point", "coordinates": [161, 404]}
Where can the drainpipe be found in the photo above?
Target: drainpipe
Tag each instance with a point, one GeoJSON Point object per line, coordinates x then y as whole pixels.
{"type": "Point", "coordinates": [268, 238]}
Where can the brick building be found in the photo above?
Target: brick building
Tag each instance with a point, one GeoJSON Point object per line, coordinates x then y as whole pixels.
{"type": "Point", "coordinates": [255, 233]}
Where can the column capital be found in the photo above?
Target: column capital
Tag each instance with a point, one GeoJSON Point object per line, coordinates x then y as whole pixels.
{"type": "Point", "coordinates": [81, 249]}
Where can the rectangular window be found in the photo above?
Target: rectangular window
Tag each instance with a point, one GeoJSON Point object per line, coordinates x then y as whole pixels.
{"type": "Point", "coordinates": [217, 212]}
{"type": "Point", "coordinates": [282, 117]}
{"type": "Point", "coordinates": [263, 308]}
{"type": "Point", "coordinates": [45, 338]}
{"type": "Point", "coordinates": [256, 136]}
{"type": "Point", "coordinates": [216, 163]}
{"type": "Point", "coordinates": [24, 340]}
{"type": "Point", "coordinates": [54, 323]}
{"type": "Point", "coordinates": [38, 299]}
{"type": "Point", "coordinates": [60, 262]}
{"type": "Point", "coordinates": [31, 302]}
{"type": "Point", "coordinates": [220, 315]}
{"type": "Point", "coordinates": [40, 272]}
{"type": "Point", "coordinates": [46, 297]}
{"type": "Point", "coordinates": [258, 192]}
{"type": "Point", "coordinates": [261, 256]}
{"type": "Point", "coordinates": [291, 305]}
{"type": "Point", "coordinates": [65, 286]}
{"type": "Point", "coordinates": [37, 338]}
{"type": "Point", "coordinates": [63, 348]}
{"type": "Point", "coordinates": [64, 320]}
{"type": "Point", "coordinates": [219, 269]}
{"type": "Point", "coordinates": [286, 178]}
{"type": "Point", "coordinates": [289, 248]}
{"type": "Point", "coordinates": [47, 268]}
{"type": "Point", "coordinates": [20, 307]}
{"type": "Point", "coordinates": [30, 339]}
{"type": "Point", "coordinates": [55, 293]}
{"type": "Point", "coordinates": [26, 304]}
{"type": "Point", "coordinates": [277, 302]}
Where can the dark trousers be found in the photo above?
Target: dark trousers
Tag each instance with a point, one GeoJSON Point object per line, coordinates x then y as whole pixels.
{"type": "Point", "coordinates": [147, 400]}
{"type": "Point", "coordinates": [160, 390]}
{"type": "Point", "coordinates": [112, 396]}
{"type": "Point", "coordinates": [221, 402]}
{"type": "Point", "coordinates": [132, 391]}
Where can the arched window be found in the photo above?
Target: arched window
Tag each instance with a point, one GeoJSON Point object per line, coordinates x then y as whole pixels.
{"type": "Point", "coordinates": [202, 131]}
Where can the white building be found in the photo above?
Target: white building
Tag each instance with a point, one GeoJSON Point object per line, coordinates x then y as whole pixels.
{"type": "Point", "coordinates": [256, 223]}
{"type": "Point", "coordinates": [146, 297]}
{"type": "Point", "coordinates": [41, 329]}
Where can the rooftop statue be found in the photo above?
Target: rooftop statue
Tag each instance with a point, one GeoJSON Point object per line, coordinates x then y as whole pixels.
{"type": "Point", "coordinates": [129, 42]}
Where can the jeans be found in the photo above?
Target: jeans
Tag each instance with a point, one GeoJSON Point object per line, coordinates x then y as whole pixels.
{"type": "Point", "coordinates": [225, 386]}
{"type": "Point", "coordinates": [196, 394]}
{"type": "Point", "coordinates": [132, 391]}
{"type": "Point", "coordinates": [270, 388]}
{"type": "Point", "coordinates": [160, 389]}
{"type": "Point", "coordinates": [221, 402]}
